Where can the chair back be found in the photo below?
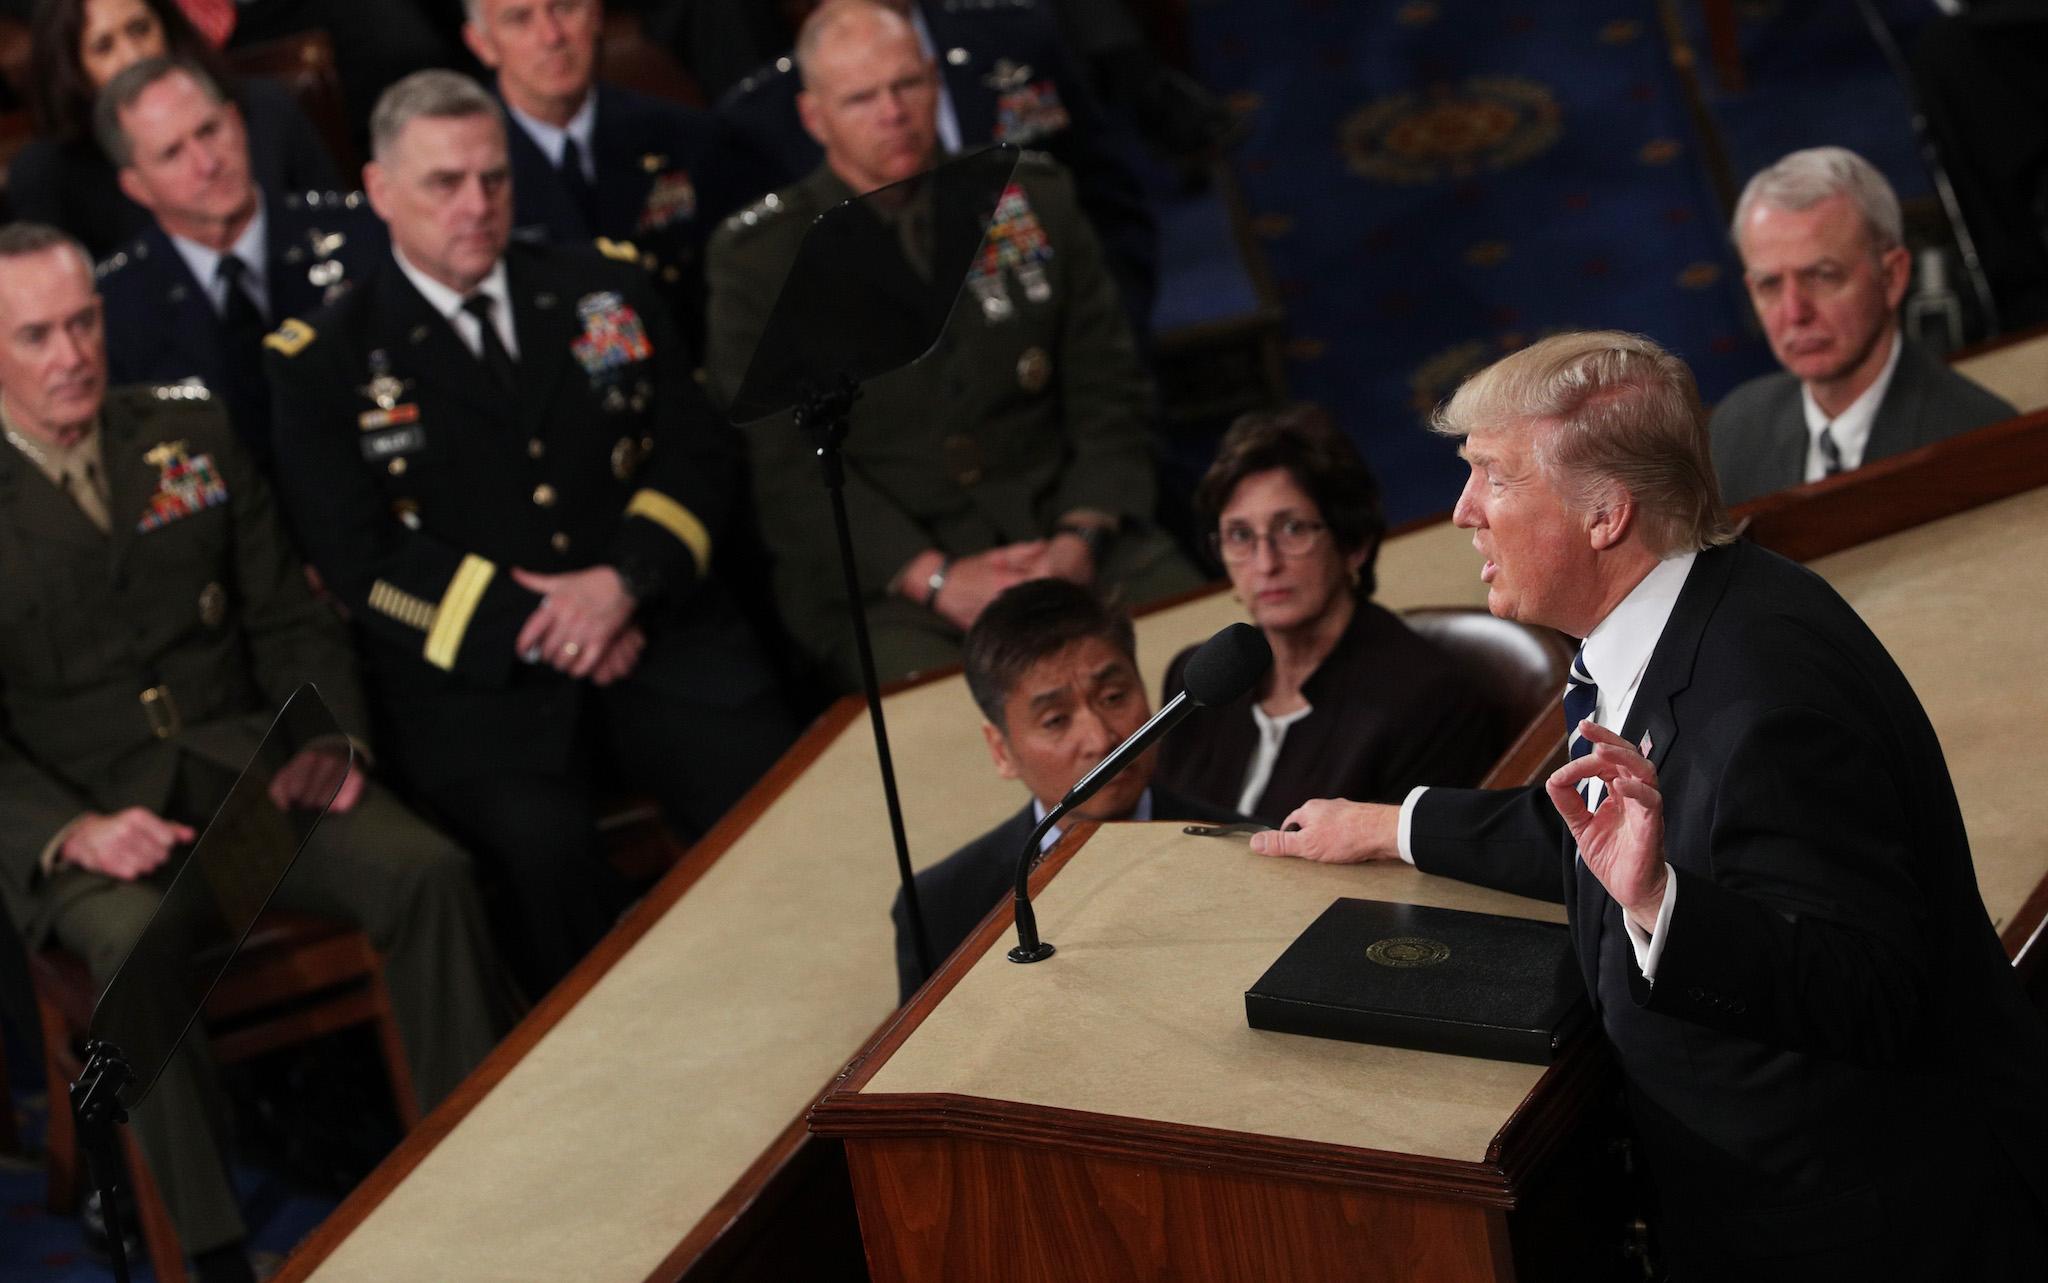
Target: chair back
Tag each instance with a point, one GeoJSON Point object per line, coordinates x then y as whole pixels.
{"type": "Point", "coordinates": [303, 62]}
{"type": "Point", "coordinates": [1521, 670]}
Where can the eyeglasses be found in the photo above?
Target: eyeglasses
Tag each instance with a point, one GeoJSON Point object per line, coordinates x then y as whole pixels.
{"type": "Point", "coordinates": [1292, 537]}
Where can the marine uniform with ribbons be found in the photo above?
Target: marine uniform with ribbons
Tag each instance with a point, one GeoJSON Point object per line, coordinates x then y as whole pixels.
{"type": "Point", "coordinates": [1007, 79]}
{"type": "Point", "coordinates": [152, 621]}
{"type": "Point", "coordinates": [165, 325]}
{"type": "Point", "coordinates": [418, 481]}
{"type": "Point", "coordinates": [1031, 407]}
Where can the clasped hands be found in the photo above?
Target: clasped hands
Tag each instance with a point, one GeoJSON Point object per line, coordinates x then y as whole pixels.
{"type": "Point", "coordinates": [973, 581]}
{"type": "Point", "coordinates": [1621, 842]}
{"type": "Point", "coordinates": [583, 625]}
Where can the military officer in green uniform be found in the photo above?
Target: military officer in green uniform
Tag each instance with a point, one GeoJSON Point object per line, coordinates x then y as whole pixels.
{"type": "Point", "coordinates": [1016, 450]}
{"type": "Point", "coordinates": [496, 455]}
{"type": "Point", "coordinates": [152, 621]}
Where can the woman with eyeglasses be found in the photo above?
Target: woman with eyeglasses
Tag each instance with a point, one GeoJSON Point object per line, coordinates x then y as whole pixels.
{"type": "Point", "coordinates": [1356, 704]}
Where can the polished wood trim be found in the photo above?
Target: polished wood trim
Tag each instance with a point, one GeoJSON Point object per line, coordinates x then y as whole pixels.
{"type": "Point", "coordinates": [1904, 491]}
{"type": "Point", "coordinates": [413, 1150]}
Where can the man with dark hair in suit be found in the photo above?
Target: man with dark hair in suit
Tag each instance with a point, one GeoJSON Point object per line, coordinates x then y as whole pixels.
{"type": "Point", "coordinates": [593, 161]}
{"type": "Point", "coordinates": [193, 296]}
{"type": "Point", "coordinates": [1830, 1066]}
{"type": "Point", "coordinates": [155, 620]}
{"type": "Point", "coordinates": [1825, 260]}
{"type": "Point", "coordinates": [1055, 674]}
{"type": "Point", "coordinates": [496, 457]}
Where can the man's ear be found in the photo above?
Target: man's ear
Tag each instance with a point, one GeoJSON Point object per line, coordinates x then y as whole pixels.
{"type": "Point", "coordinates": [132, 186]}
{"type": "Point", "coordinates": [1612, 520]}
{"type": "Point", "coordinates": [1898, 273]}
{"type": "Point", "coordinates": [376, 187]}
{"type": "Point", "coordinates": [811, 112]}
{"type": "Point", "coordinates": [480, 44]}
{"type": "Point", "coordinates": [999, 750]}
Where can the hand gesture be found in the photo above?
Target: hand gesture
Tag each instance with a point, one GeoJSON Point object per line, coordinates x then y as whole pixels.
{"type": "Point", "coordinates": [1333, 831]}
{"type": "Point", "coordinates": [621, 657]}
{"type": "Point", "coordinates": [125, 845]}
{"type": "Point", "coordinates": [580, 612]}
{"type": "Point", "coordinates": [1622, 842]}
{"type": "Point", "coordinates": [975, 581]}
{"type": "Point", "coordinates": [313, 775]}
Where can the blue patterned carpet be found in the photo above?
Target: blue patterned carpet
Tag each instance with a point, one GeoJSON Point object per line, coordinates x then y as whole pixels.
{"type": "Point", "coordinates": [1436, 183]}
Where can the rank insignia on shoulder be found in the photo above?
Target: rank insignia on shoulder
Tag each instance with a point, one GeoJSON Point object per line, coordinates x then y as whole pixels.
{"type": "Point", "coordinates": [761, 210]}
{"type": "Point", "coordinates": [290, 338]}
{"type": "Point", "coordinates": [187, 389]}
{"type": "Point", "coordinates": [620, 250]}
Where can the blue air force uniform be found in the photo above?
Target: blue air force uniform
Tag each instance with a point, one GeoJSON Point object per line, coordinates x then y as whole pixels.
{"type": "Point", "coordinates": [165, 325]}
{"type": "Point", "coordinates": [417, 483]}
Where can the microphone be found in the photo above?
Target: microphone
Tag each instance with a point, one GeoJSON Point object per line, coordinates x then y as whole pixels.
{"type": "Point", "coordinates": [1226, 666]}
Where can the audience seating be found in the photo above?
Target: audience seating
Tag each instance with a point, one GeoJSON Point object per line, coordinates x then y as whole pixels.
{"type": "Point", "coordinates": [1521, 670]}
{"type": "Point", "coordinates": [303, 62]}
{"type": "Point", "coordinates": [298, 976]}
{"type": "Point", "coordinates": [628, 59]}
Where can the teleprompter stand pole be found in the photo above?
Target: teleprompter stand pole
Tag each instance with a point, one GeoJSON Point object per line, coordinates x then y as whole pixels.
{"type": "Point", "coordinates": [96, 1104]}
{"type": "Point", "coordinates": [823, 415]}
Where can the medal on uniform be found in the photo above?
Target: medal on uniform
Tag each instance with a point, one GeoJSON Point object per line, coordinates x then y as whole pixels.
{"type": "Point", "coordinates": [612, 337]}
{"type": "Point", "coordinates": [995, 299]}
{"type": "Point", "coordinates": [186, 483]}
{"type": "Point", "coordinates": [1036, 287]}
{"type": "Point", "coordinates": [1027, 111]}
{"type": "Point", "coordinates": [383, 388]}
{"type": "Point", "coordinates": [213, 605]}
{"type": "Point", "coordinates": [1015, 244]}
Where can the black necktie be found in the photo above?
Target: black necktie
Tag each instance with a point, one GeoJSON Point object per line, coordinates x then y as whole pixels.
{"type": "Point", "coordinates": [1830, 453]}
{"type": "Point", "coordinates": [1581, 701]}
{"type": "Point", "coordinates": [497, 361]}
{"type": "Point", "coordinates": [239, 314]}
{"type": "Point", "coordinates": [581, 193]}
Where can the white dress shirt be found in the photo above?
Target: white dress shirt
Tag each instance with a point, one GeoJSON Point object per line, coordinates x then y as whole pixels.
{"type": "Point", "coordinates": [449, 304]}
{"type": "Point", "coordinates": [1272, 734]}
{"type": "Point", "coordinates": [1851, 428]}
{"type": "Point", "coordinates": [1617, 652]}
{"type": "Point", "coordinates": [250, 247]}
{"type": "Point", "coordinates": [582, 127]}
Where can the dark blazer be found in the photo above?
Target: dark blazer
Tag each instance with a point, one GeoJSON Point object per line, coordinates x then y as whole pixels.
{"type": "Point", "coordinates": [71, 184]}
{"type": "Point", "coordinates": [1010, 80]}
{"type": "Point", "coordinates": [1759, 429]}
{"type": "Point", "coordinates": [955, 894]}
{"type": "Point", "coordinates": [664, 179]}
{"type": "Point", "coordinates": [162, 326]}
{"type": "Point", "coordinates": [1390, 710]}
{"type": "Point", "coordinates": [415, 511]}
{"type": "Point", "coordinates": [1835, 1057]}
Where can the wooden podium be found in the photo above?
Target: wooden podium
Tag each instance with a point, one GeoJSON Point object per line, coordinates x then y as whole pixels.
{"type": "Point", "coordinates": [1107, 1114]}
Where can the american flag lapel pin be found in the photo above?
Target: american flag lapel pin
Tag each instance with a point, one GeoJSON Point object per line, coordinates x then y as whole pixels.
{"type": "Point", "coordinates": [1646, 743]}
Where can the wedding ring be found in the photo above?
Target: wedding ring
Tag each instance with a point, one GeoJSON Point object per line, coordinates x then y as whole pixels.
{"type": "Point", "coordinates": [571, 650]}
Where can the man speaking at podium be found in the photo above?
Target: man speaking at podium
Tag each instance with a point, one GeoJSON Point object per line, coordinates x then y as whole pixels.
{"type": "Point", "coordinates": [1831, 1069]}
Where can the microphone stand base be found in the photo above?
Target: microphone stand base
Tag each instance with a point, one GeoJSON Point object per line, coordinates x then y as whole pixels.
{"type": "Point", "coordinates": [1036, 953]}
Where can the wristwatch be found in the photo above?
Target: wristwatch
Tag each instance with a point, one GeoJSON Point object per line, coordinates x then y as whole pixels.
{"type": "Point", "coordinates": [1097, 537]}
{"type": "Point", "coordinates": [936, 581]}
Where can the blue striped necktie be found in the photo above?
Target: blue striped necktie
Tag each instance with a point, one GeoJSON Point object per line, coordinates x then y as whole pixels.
{"type": "Point", "coordinates": [1581, 700]}
{"type": "Point", "coordinates": [1830, 452]}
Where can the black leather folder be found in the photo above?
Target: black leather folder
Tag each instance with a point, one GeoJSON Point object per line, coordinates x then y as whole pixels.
{"type": "Point", "coordinates": [1404, 975]}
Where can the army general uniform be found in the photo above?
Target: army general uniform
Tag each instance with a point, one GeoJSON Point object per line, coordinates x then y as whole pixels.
{"type": "Point", "coordinates": [418, 478]}
{"type": "Point", "coordinates": [140, 665]}
{"type": "Point", "coordinates": [1031, 406]}
{"type": "Point", "coordinates": [165, 324]}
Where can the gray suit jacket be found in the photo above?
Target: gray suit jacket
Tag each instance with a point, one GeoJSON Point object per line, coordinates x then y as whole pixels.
{"type": "Point", "coordinates": [1759, 429]}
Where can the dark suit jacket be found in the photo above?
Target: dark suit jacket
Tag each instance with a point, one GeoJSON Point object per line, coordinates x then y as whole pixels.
{"type": "Point", "coordinates": [161, 324]}
{"type": "Point", "coordinates": [955, 894]}
{"type": "Point", "coordinates": [1010, 80]}
{"type": "Point", "coordinates": [1759, 429]}
{"type": "Point", "coordinates": [1835, 1056]}
{"type": "Point", "coordinates": [1391, 710]}
{"type": "Point", "coordinates": [71, 184]}
{"type": "Point", "coordinates": [602, 454]}
{"type": "Point", "coordinates": [664, 179]}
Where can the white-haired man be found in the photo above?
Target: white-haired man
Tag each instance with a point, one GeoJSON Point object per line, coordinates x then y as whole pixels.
{"type": "Point", "coordinates": [1825, 261]}
{"type": "Point", "coordinates": [1766, 873]}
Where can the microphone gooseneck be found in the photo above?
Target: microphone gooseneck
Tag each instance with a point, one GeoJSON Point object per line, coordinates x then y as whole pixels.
{"type": "Point", "coordinates": [1222, 670]}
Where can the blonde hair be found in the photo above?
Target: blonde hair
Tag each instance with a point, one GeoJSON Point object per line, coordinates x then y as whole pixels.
{"type": "Point", "coordinates": [1622, 414]}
